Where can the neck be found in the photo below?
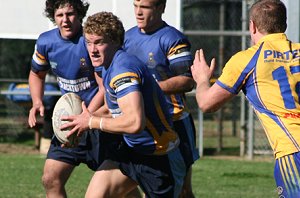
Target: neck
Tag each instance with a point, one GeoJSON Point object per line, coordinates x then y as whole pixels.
{"type": "Point", "coordinates": [153, 28]}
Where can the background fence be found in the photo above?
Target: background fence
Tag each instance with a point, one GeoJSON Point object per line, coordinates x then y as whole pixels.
{"type": "Point", "coordinates": [221, 28]}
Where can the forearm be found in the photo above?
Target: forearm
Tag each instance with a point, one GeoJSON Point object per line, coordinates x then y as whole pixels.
{"type": "Point", "coordinates": [36, 87]}
{"type": "Point", "coordinates": [97, 102]}
{"type": "Point", "coordinates": [177, 84]}
{"type": "Point", "coordinates": [102, 112]}
{"type": "Point", "coordinates": [131, 120]}
{"type": "Point", "coordinates": [98, 99]}
{"type": "Point", "coordinates": [118, 125]}
{"type": "Point", "coordinates": [211, 98]}
{"type": "Point", "coordinates": [202, 89]}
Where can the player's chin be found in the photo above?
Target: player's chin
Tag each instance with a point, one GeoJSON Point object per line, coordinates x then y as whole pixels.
{"type": "Point", "coordinates": [96, 62]}
{"type": "Point", "coordinates": [67, 33]}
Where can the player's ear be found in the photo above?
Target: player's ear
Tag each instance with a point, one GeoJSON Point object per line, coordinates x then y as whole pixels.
{"type": "Point", "coordinates": [252, 27]}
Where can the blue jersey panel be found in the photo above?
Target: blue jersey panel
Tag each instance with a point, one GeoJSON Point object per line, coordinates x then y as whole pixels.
{"type": "Point", "coordinates": [69, 61]}
{"type": "Point", "coordinates": [127, 74]}
{"type": "Point", "coordinates": [166, 52]}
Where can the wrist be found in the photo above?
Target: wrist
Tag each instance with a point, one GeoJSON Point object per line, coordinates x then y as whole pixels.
{"type": "Point", "coordinates": [101, 124]}
{"type": "Point", "coordinates": [90, 122]}
{"type": "Point", "coordinates": [96, 123]}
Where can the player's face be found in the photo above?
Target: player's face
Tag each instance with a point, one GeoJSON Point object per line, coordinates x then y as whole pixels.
{"type": "Point", "coordinates": [101, 50]}
{"type": "Point", "coordinates": [148, 15]}
{"type": "Point", "coordinates": [67, 21]}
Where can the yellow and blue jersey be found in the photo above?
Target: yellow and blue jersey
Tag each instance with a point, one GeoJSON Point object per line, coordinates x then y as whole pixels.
{"type": "Point", "coordinates": [166, 52]}
{"type": "Point", "coordinates": [127, 74]}
{"type": "Point", "coordinates": [69, 61]}
{"type": "Point", "coordinates": [269, 75]}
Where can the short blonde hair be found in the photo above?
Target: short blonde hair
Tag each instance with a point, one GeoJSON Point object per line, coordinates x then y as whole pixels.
{"type": "Point", "coordinates": [107, 25]}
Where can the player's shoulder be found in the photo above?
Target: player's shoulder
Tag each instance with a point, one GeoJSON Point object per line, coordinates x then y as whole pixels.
{"type": "Point", "coordinates": [169, 31]}
{"type": "Point", "coordinates": [48, 36]}
{"type": "Point", "coordinates": [134, 28]}
{"type": "Point", "coordinates": [126, 58]}
{"type": "Point", "coordinates": [170, 36]}
{"type": "Point", "coordinates": [247, 53]}
{"type": "Point", "coordinates": [132, 32]}
{"type": "Point", "coordinates": [127, 61]}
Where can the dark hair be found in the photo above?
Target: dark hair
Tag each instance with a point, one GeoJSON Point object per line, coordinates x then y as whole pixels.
{"type": "Point", "coordinates": [159, 2]}
{"type": "Point", "coordinates": [107, 25]}
{"type": "Point", "coordinates": [79, 6]}
{"type": "Point", "coordinates": [269, 16]}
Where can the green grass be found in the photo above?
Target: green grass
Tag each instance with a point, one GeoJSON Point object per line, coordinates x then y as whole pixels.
{"type": "Point", "coordinates": [20, 177]}
{"type": "Point", "coordinates": [219, 178]}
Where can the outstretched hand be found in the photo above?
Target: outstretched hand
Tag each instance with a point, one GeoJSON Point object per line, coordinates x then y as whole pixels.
{"type": "Point", "coordinates": [77, 123]}
{"type": "Point", "coordinates": [200, 70]}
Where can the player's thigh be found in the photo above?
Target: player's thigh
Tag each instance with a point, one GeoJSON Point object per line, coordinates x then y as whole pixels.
{"type": "Point", "coordinates": [109, 181]}
{"type": "Point", "coordinates": [57, 170]}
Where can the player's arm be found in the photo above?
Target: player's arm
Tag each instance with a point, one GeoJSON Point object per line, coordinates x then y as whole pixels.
{"type": "Point", "coordinates": [98, 99]}
{"type": "Point", "coordinates": [132, 120]}
{"type": "Point", "coordinates": [36, 85]}
{"type": "Point", "coordinates": [103, 111]}
{"type": "Point", "coordinates": [209, 98]}
{"type": "Point", "coordinates": [180, 62]}
{"type": "Point", "coordinates": [177, 84]}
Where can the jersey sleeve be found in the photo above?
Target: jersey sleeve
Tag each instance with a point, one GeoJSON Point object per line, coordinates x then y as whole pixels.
{"type": "Point", "coordinates": [39, 60]}
{"type": "Point", "coordinates": [235, 73]}
{"type": "Point", "coordinates": [179, 54]}
{"type": "Point", "coordinates": [126, 80]}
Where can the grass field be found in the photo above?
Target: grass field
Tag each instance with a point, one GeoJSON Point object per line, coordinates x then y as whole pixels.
{"type": "Point", "coordinates": [212, 177]}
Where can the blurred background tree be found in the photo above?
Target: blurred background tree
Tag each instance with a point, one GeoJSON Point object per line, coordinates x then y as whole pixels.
{"type": "Point", "coordinates": [15, 58]}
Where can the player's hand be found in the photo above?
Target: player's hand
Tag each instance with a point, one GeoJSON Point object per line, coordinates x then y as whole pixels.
{"type": "Point", "coordinates": [68, 145]}
{"type": "Point", "coordinates": [77, 123]}
{"type": "Point", "coordinates": [200, 70]}
{"type": "Point", "coordinates": [32, 113]}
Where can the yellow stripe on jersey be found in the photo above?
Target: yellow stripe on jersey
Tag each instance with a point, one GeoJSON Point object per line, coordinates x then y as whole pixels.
{"type": "Point", "coordinates": [165, 142]}
{"type": "Point", "coordinates": [173, 50]}
{"type": "Point", "coordinates": [123, 75]}
{"type": "Point", "coordinates": [178, 109]}
{"type": "Point", "coordinates": [39, 58]}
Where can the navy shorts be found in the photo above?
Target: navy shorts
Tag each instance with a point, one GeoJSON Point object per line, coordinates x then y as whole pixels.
{"type": "Point", "coordinates": [157, 175]}
{"type": "Point", "coordinates": [187, 135]}
{"type": "Point", "coordinates": [90, 150]}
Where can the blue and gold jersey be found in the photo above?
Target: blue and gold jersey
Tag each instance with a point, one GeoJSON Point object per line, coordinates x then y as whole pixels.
{"type": "Point", "coordinates": [269, 75]}
{"type": "Point", "coordinates": [127, 74]}
{"type": "Point", "coordinates": [69, 61]}
{"type": "Point", "coordinates": [166, 52]}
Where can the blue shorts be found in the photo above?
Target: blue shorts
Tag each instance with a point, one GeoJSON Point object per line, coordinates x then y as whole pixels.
{"type": "Point", "coordinates": [89, 150]}
{"type": "Point", "coordinates": [287, 176]}
{"type": "Point", "coordinates": [157, 175]}
{"type": "Point", "coordinates": [187, 135]}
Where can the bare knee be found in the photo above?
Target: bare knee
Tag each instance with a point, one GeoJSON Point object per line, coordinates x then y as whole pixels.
{"type": "Point", "coordinates": [56, 174]}
{"type": "Point", "coordinates": [50, 181]}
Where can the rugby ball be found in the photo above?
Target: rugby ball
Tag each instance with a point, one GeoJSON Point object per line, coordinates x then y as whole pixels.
{"type": "Point", "coordinates": [68, 104]}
